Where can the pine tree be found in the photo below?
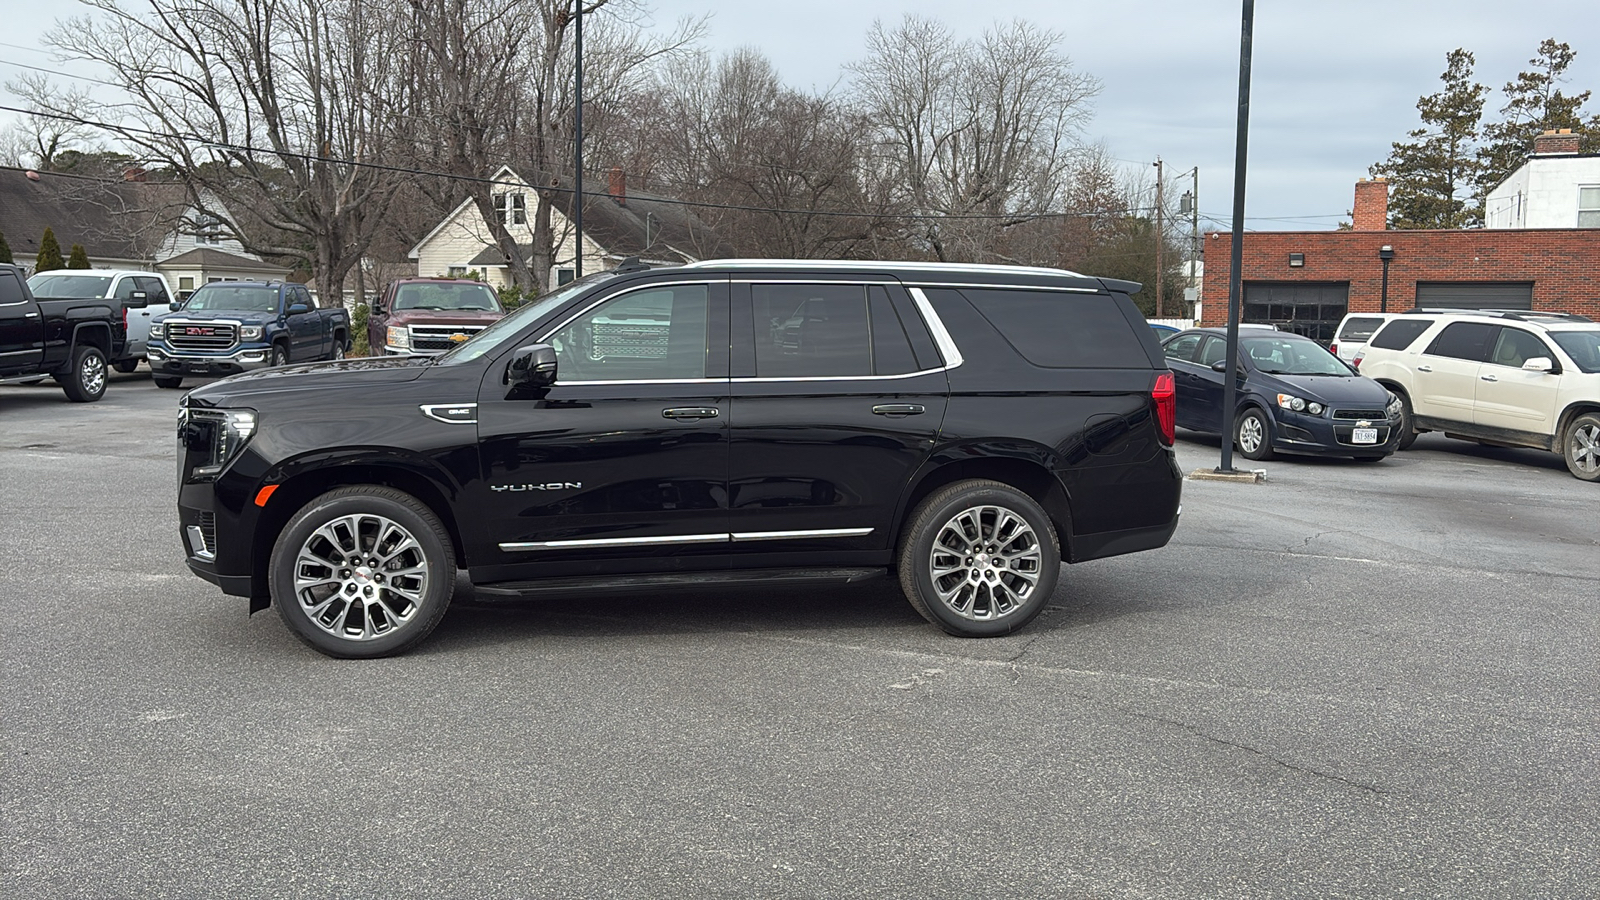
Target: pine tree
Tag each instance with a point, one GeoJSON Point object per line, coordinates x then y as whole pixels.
{"type": "Point", "coordinates": [49, 252]}
{"type": "Point", "coordinates": [1534, 104]}
{"type": "Point", "coordinates": [79, 258]}
{"type": "Point", "coordinates": [1439, 161]}
{"type": "Point", "coordinates": [5, 249]}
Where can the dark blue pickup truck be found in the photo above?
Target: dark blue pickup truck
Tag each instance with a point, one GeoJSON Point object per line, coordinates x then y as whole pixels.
{"type": "Point", "coordinates": [228, 327]}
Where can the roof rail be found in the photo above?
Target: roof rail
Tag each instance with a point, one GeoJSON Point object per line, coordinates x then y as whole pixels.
{"type": "Point", "coordinates": [1519, 315]}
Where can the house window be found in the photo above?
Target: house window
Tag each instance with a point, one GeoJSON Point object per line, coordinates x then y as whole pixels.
{"type": "Point", "coordinates": [565, 276]}
{"type": "Point", "coordinates": [457, 272]}
{"type": "Point", "coordinates": [207, 229]}
{"type": "Point", "coordinates": [186, 283]}
{"type": "Point", "coordinates": [512, 209]}
{"type": "Point", "coordinates": [1589, 206]}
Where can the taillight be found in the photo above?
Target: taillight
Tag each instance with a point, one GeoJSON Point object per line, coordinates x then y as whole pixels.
{"type": "Point", "coordinates": [1334, 349]}
{"type": "Point", "coordinates": [1356, 362]}
{"type": "Point", "coordinates": [1165, 397]}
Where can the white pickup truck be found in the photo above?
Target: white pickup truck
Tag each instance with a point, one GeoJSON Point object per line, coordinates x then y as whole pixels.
{"type": "Point", "coordinates": [121, 285]}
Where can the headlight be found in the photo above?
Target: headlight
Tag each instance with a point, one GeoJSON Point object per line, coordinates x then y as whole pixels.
{"type": "Point", "coordinates": [250, 332]}
{"type": "Point", "coordinates": [399, 337]}
{"type": "Point", "coordinates": [1290, 401]}
{"type": "Point", "coordinates": [212, 438]}
{"type": "Point", "coordinates": [1314, 408]}
{"type": "Point", "coordinates": [1394, 407]}
{"type": "Point", "coordinates": [158, 329]}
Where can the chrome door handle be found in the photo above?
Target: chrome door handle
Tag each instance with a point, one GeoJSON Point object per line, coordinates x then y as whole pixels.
{"type": "Point", "coordinates": [1424, 368]}
{"type": "Point", "coordinates": [32, 315]}
{"type": "Point", "coordinates": [898, 409]}
{"type": "Point", "coordinates": [691, 412]}
{"type": "Point", "coordinates": [1488, 378]}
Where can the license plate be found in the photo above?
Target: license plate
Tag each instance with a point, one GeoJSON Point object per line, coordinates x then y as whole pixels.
{"type": "Point", "coordinates": [1364, 436]}
{"type": "Point", "coordinates": [203, 368]}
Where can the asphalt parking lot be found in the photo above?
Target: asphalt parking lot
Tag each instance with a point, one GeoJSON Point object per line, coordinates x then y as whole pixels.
{"type": "Point", "coordinates": [1353, 680]}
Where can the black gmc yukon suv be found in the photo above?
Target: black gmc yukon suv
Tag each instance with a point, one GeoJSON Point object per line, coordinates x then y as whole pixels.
{"type": "Point", "coordinates": [749, 422]}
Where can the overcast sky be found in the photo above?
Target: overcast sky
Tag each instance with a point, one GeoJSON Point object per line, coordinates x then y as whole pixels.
{"type": "Point", "coordinates": [1334, 81]}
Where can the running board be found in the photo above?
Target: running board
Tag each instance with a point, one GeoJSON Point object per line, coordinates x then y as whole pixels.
{"type": "Point", "coordinates": [691, 581]}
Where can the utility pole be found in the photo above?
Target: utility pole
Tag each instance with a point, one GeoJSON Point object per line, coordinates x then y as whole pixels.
{"type": "Point", "coordinates": [577, 196]}
{"type": "Point", "coordinates": [1236, 250]}
{"type": "Point", "coordinates": [1194, 232]}
{"type": "Point", "coordinates": [1160, 235]}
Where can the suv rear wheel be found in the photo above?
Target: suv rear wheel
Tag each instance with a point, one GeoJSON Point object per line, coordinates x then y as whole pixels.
{"type": "Point", "coordinates": [979, 559]}
{"type": "Point", "coordinates": [1408, 425]}
{"type": "Point", "coordinates": [1581, 447]}
{"type": "Point", "coordinates": [362, 572]}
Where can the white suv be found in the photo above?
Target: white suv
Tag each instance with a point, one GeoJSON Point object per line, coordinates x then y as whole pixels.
{"type": "Point", "coordinates": [1354, 332]}
{"type": "Point", "coordinates": [1499, 377]}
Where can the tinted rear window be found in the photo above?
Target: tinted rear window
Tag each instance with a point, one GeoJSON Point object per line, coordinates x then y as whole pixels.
{"type": "Point", "coordinates": [1463, 340]}
{"type": "Point", "coordinates": [1360, 328]}
{"type": "Point", "coordinates": [1399, 334]}
{"type": "Point", "coordinates": [1060, 330]}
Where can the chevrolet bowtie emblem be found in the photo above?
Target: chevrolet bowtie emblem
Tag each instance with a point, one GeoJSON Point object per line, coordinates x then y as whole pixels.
{"type": "Point", "coordinates": [457, 338]}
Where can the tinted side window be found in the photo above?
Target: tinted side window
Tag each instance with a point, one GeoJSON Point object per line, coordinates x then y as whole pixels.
{"type": "Point", "coordinates": [1216, 350]}
{"type": "Point", "coordinates": [1398, 334]}
{"type": "Point", "coordinates": [125, 289]}
{"type": "Point", "coordinates": [891, 346]}
{"type": "Point", "coordinates": [1359, 328]}
{"type": "Point", "coordinates": [1516, 347]}
{"type": "Point", "coordinates": [917, 330]}
{"type": "Point", "coordinates": [657, 334]}
{"type": "Point", "coordinates": [1463, 340]}
{"type": "Point", "coordinates": [811, 330]}
{"type": "Point", "coordinates": [1182, 347]}
{"type": "Point", "coordinates": [155, 290]}
{"type": "Point", "coordinates": [10, 288]}
{"type": "Point", "coordinates": [1062, 330]}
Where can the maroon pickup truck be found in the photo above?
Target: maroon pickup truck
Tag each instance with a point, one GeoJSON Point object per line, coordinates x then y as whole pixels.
{"type": "Point", "coordinates": [427, 316]}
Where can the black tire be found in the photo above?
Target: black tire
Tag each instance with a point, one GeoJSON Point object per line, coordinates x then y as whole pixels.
{"type": "Point", "coordinates": [388, 621]}
{"type": "Point", "coordinates": [338, 348]}
{"type": "Point", "coordinates": [280, 356]}
{"type": "Point", "coordinates": [1252, 434]}
{"type": "Point", "coordinates": [85, 382]}
{"type": "Point", "coordinates": [167, 381]}
{"type": "Point", "coordinates": [1580, 447]}
{"type": "Point", "coordinates": [989, 593]}
{"type": "Point", "coordinates": [1407, 426]}
{"type": "Point", "coordinates": [125, 365]}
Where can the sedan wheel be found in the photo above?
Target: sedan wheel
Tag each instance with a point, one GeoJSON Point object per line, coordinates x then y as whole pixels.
{"type": "Point", "coordinates": [1253, 435]}
{"type": "Point", "coordinates": [1582, 447]}
{"type": "Point", "coordinates": [362, 572]}
{"type": "Point", "coordinates": [979, 559]}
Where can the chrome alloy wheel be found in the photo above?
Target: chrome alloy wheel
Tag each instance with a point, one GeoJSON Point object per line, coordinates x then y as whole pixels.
{"type": "Point", "coordinates": [1583, 449]}
{"type": "Point", "coordinates": [1250, 434]}
{"type": "Point", "coordinates": [360, 577]}
{"type": "Point", "coordinates": [92, 373]}
{"type": "Point", "coordinates": [985, 563]}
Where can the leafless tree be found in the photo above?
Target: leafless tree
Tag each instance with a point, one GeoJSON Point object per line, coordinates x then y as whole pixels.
{"type": "Point", "coordinates": [37, 141]}
{"type": "Point", "coordinates": [982, 128]}
{"type": "Point", "coordinates": [273, 113]}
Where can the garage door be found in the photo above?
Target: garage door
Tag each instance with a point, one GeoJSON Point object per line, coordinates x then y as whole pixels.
{"type": "Point", "coordinates": [1475, 294]}
{"type": "Point", "coordinates": [1310, 308]}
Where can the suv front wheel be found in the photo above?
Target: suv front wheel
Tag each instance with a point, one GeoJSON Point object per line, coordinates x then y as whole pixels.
{"type": "Point", "coordinates": [979, 559]}
{"type": "Point", "coordinates": [1581, 447]}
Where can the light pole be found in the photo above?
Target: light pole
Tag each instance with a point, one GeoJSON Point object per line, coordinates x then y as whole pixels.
{"type": "Point", "coordinates": [577, 196]}
{"type": "Point", "coordinates": [1385, 253]}
{"type": "Point", "coordinates": [1230, 387]}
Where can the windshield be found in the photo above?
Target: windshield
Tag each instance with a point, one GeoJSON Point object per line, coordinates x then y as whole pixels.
{"type": "Point", "coordinates": [1582, 346]}
{"type": "Point", "coordinates": [243, 299]}
{"type": "Point", "coordinates": [1281, 355]}
{"type": "Point", "coordinates": [446, 296]}
{"type": "Point", "coordinates": [487, 340]}
{"type": "Point", "coordinates": [62, 287]}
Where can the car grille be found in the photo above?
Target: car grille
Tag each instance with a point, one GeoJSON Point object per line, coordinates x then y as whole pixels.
{"type": "Point", "coordinates": [201, 336]}
{"type": "Point", "coordinates": [439, 338]}
{"type": "Point", "coordinates": [208, 527]}
{"type": "Point", "coordinates": [1374, 414]}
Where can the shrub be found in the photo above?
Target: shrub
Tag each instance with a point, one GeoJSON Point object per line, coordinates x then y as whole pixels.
{"type": "Point", "coordinates": [49, 257]}
{"type": "Point", "coordinates": [79, 258]}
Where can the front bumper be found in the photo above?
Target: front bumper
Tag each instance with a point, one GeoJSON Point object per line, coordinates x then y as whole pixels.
{"type": "Point", "coordinates": [1321, 436]}
{"type": "Point", "coordinates": [166, 361]}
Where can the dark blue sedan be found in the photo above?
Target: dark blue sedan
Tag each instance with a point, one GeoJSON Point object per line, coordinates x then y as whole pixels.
{"type": "Point", "coordinates": [1293, 396]}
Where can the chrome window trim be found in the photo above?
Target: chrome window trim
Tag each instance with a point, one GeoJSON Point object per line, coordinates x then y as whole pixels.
{"type": "Point", "coordinates": [1003, 287]}
{"type": "Point", "coordinates": [429, 410]}
{"type": "Point", "coordinates": [771, 379]}
{"type": "Point", "coordinates": [847, 266]}
{"type": "Point", "coordinates": [654, 285]}
{"type": "Point", "coordinates": [844, 279]}
{"type": "Point", "coordinates": [596, 543]}
{"type": "Point", "coordinates": [941, 335]}
{"type": "Point", "coordinates": [560, 383]}
{"type": "Point", "coordinates": [807, 533]}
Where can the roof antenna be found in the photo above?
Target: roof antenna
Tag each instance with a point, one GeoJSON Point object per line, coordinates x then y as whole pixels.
{"type": "Point", "coordinates": [632, 264]}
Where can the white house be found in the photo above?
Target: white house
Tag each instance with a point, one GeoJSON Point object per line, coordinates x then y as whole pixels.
{"type": "Point", "coordinates": [616, 225]}
{"type": "Point", "coordinates": [1557, 187]}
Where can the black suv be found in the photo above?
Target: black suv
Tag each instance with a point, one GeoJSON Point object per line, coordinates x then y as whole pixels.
{"type": "Point", "coordinates": [750, 422]}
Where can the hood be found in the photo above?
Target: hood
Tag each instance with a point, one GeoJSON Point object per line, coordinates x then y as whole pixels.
{"type": "Point", "coordinates": [267, 385]}
{"type": "Point", "coordinates": [443, 317]}
{"type": "Point", "coordinates": [241, 316]}
{"type": "Point", "coordinates": [1330, 390]}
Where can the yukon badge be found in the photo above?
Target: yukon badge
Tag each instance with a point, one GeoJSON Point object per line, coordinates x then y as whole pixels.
{"type": "Point", "coordinates": [551, 486]}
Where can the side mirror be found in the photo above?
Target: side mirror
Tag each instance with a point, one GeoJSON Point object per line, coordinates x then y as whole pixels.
{"type": "Point", "coordinates": [175, 305]}
{"type": "Point", "coordinates": [1539, 364]}
{"type": "Point", "coordinates": [1220, 365]}
{"type": "Point", "coordinates": [139, 300]}
{"type": "Point", "coordinates": [296, 309]}
{"type": "Point", "coordinates": [533, 366]}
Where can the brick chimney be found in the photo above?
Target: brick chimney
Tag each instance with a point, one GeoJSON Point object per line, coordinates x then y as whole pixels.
{"type": "Point", "coordinates": [1556, 143]}
{"type": "Point", "coordinates": [134, 173]}
{"type": "Point", "coordinates": [1372, 205]}
{"type": "Point", "coordinates": [618, 188]}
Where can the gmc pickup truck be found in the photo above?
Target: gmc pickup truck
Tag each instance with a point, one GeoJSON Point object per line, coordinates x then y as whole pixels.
{"type": "Point", "coordinates": [228, 327]}
{"type": "Point", "coordinates": [427, 316]}
{"type": "Point", "coordinates": [68, 340]}
{"type": "Point", "coordinates": [118, 286]}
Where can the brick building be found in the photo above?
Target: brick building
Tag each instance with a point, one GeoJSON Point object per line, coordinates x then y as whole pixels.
{"type": "Point", "coordinates": [1305, 281]}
